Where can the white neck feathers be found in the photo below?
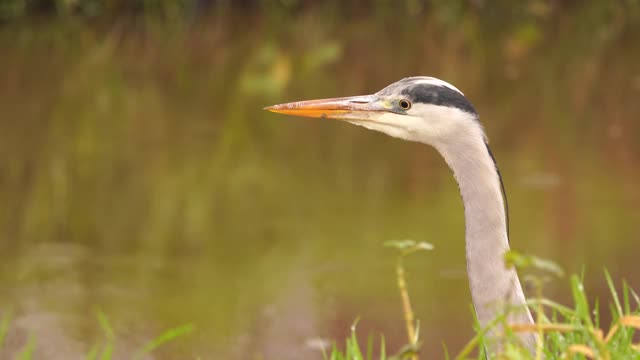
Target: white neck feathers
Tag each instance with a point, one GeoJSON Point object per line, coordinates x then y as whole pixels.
{"type": "Point", "coordinates": [494, 287]}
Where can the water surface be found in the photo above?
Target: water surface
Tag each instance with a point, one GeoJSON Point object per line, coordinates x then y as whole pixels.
{"type": "Point", "coordinates": [140, 175]}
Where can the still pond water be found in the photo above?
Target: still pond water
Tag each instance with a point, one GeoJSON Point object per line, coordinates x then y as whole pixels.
{"type": "Point", "coordinates": [140, 176]}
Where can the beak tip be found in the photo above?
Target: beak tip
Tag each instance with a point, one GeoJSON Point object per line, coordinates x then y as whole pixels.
{"type": "Point", "coordinates": [272, 108]}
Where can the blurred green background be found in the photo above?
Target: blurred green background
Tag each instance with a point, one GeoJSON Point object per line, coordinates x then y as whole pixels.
{"type": "Point", "coordinates": [139, 173]}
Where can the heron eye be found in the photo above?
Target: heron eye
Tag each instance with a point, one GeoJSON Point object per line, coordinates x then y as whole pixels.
{"type": "Point", "coordinates": [404, 104]}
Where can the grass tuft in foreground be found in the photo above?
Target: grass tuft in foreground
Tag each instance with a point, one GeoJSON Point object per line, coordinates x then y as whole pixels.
{"type": "Point", "coordinates": [564, 333]}
{"type": "Point", "coordinates": [352, 349]}
{"type": "Point", "coordinates": [103, 350]}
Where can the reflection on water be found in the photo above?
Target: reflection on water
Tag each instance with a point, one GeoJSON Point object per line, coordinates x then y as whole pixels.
{"type": "Point", "coordinates": [140, 175]}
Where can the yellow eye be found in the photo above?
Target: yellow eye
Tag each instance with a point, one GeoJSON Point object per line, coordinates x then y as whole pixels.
{"type": "Point", "coordinates": [404, 104]}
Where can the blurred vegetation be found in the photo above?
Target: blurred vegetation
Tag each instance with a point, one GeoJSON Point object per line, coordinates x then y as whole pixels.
{"type": "Point", "coordinates": [452, 12]}
{"type": "Point", "coordinates": [138, 171]}
{"type": "Point", "coordinates": [564, 332]}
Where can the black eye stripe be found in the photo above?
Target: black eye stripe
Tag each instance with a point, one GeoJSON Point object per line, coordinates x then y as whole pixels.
{"type": "Point", "coordinates": [437, 95]}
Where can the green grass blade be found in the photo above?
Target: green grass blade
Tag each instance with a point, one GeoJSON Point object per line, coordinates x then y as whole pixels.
{"type": "Point", "coordinates": [354, 348]}
{"type": "Point", "coordinates": [107, 352]}
{"type": "Point", "coordinates": [93, 353]}
{"type": "Point", "coordinates": [324, 353]}
{"type": "Point", "coordinates": [167, 336]}
{"type": "Point", "coordinates": [4, 327]}
{"type": "Point", "coordinates": [562, 309]}
{"type": "Point", "coordinates": [27, 352]}
{"type": "Point", "coordinates": [446, 351]}
{"type": "Point", "coordinates": [635, 297]}
{"type": "Point", "coordinates": [105, 324]}
{"type": "Point", "coordinates": [580, 298]}
{"type": "Point", "coordinates": [335, 353]}
{"type": "Point", "coordinates": [614, 293]}
{"type": "Point", "coordinates": [625, 297]}
{"type": "Point", "coordinates": [596, 312]}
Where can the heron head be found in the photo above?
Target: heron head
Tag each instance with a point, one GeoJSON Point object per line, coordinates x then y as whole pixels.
{"type": "Point", "coordinates": [422, 109]}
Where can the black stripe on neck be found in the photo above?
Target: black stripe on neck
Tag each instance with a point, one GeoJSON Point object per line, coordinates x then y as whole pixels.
{"type": "Point", "coordinates": [504, 192]}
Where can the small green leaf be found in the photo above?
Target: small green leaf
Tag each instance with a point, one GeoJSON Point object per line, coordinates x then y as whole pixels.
{"type": "Point", "coordinates": [400, 244]}
{"type": "Point", "coordinates": [521, 261]}
{"type": "Point", "coordinates": [408, 246]}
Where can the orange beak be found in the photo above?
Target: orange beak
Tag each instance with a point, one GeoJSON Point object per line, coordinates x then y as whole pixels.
{"type": "Point", "coordinates": [346, 108]}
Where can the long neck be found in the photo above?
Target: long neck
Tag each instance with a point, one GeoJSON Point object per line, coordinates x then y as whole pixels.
{"type": "Point", "coordinates": [493, 286]}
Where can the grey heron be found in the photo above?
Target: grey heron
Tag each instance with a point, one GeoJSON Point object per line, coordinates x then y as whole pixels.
{"type": "Point", "coordinates": [434, 112]}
